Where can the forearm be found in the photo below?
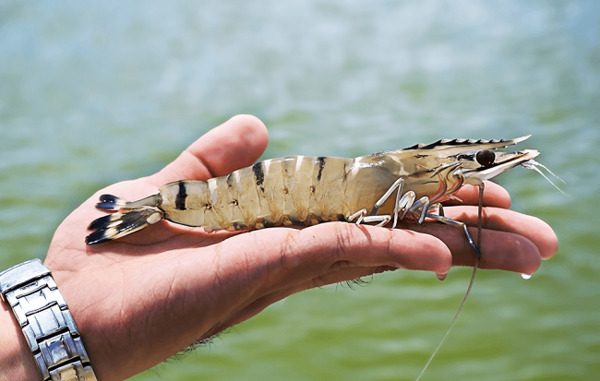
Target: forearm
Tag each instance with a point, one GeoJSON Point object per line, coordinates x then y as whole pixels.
{"type": "Point", "coordinates": [16, 360]}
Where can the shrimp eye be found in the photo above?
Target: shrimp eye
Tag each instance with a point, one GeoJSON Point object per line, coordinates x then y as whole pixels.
{"type": "Point", "coordinates": [485, 157]}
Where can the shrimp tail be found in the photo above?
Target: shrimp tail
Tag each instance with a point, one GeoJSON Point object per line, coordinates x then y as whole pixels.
{"type": "Point", "coordinates": [129, 217]}
{"type": "Point", "coordinates": [110, 202]}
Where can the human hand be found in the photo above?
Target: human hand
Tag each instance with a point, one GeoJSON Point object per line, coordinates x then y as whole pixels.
{"type": "Point", "coordinates": [141, 299]}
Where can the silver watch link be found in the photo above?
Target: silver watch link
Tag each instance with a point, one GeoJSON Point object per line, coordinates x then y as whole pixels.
{"type": "Point", "coordinates": [46, 322]}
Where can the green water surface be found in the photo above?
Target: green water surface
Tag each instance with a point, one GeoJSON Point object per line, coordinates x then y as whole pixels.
{"type": "Point", "coordinates": [96, 92]}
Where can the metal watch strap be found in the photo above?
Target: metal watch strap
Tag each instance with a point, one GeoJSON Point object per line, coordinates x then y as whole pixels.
{"type": "Point", "coordinates": [46, 322]}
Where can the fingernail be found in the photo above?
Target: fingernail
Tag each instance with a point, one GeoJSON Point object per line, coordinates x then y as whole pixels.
{"type": "Point", "coordinates": [526, 276]}
{"type": "Point", "coordinates": [441, 276]}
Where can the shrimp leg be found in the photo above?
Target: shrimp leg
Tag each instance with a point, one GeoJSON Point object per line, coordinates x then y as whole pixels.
{"type": "Point", "coordinates": [402, 203]}
{"type": "Point", "coordinates": [449, 221]}
{"type": "Point", "coordinates": [406, 204]}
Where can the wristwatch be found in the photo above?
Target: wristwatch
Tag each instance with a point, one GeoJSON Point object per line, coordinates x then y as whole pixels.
{"type": "Point", "coordinates": [46, 322]}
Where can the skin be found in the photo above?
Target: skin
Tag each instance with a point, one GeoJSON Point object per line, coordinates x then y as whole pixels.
{"type": "Point", "coordinates": [139, 300]}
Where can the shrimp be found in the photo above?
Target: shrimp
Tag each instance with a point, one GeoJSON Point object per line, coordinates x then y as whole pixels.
{"type": "Point", "coordinates": [381, 188]}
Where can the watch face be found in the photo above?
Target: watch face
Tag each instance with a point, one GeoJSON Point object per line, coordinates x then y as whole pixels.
{"type": "Point", "coordinates": [21, 274]}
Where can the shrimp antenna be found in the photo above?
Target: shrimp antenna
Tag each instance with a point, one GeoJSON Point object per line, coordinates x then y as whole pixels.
{"type": "Point", "coordinates": [468, 292]}
{"type": "Point", "coordinates": [462, 303]}
{"type": "Point", "coordinates": [532, 164]}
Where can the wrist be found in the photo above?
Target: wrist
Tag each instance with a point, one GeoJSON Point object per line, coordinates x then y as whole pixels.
{"type": "Point", "coordinates": [16, 361]}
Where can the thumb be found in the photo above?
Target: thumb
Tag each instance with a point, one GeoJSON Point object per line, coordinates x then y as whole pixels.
{"type": "Point", "coordinates": [237, 143]}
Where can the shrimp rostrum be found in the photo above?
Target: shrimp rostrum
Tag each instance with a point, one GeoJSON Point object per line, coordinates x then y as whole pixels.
{"type": "Point", "coordinates": [381, 188]}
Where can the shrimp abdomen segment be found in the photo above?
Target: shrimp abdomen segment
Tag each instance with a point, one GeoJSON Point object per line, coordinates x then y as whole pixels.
{"type": "Point", "coordinates": [293, 190]}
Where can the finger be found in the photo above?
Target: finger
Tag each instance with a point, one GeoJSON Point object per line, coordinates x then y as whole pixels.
{"type": "Point", "coordinates": [493, 195]}
{"type": "Point", "coordinates": [350, 245]}
{"type": "Point", "coordinates": [280, 257]}
{"type": "Point", "coordinates": [499, 250]}
{"type": "Point", "coordinates": [237, 143]}
{"type": "Point", "coordinates": [506, 220]}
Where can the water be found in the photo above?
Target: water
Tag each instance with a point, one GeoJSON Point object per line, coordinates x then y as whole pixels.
{"type": "Point", "coordinates": [97, 92]}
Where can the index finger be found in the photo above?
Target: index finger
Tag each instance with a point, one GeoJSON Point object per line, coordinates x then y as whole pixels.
{"type": "Point", "coordinates": [493, 195]}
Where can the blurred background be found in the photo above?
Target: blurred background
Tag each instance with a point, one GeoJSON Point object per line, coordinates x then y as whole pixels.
{"type": "Point", "coordinates": [96, 92]}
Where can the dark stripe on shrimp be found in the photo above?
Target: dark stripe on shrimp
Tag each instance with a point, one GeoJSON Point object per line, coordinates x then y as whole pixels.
{"type": "Point", "coordinates": [229, 180]}
{"type": "Point", "coordinates": [181, 196]}
{"type": "Point", "coordinates": [259, 174]}
{"type": "Point", "coordinates": [321, 162]}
